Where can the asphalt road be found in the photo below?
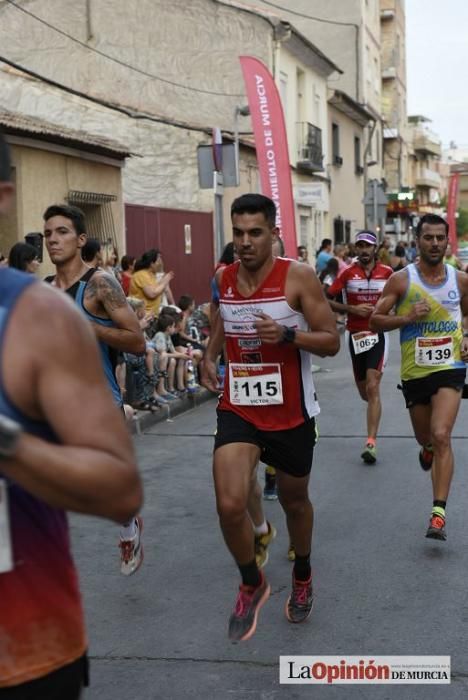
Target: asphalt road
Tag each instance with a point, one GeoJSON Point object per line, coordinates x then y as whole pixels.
{"type": "Point", "coordinates": [381, 587]}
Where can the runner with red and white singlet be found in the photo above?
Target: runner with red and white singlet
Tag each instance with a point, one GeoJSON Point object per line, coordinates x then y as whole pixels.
{"type": "Point", "coordinates": [272, 315]}
{"type": "Point", "coordinates": [361, 285]}
{"type": "Point", "coordinates": [276, 377]}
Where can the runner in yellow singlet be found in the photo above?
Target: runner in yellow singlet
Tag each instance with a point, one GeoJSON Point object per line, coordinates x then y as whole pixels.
{"type": "Point", "coordinates": [429, 299]}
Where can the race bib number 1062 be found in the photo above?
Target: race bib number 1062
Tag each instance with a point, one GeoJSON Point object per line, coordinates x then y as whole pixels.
{"type": "Point", "coordinates": [364, 341]}
{"type": "Point", "coordinates": [255, 385]}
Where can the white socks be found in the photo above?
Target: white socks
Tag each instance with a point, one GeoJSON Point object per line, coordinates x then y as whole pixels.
{"type": "Point", "coordinates": [261, 529]}
{"type": "Point", "coordinates": [128, 531]}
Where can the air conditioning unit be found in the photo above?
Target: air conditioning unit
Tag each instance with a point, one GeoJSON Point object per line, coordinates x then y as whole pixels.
{"type": "Point", "coordinates": [337, 160]}
{"type": "Point", "coordinates": [359, 170]}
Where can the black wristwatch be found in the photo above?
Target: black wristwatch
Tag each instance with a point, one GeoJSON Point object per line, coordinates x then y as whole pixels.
{"type": "Point", "coordinates": [10, 431]}
{"type": "Point", "coordinates": [289, 334]}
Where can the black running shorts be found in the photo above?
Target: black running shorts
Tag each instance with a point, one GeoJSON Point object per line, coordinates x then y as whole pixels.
{"type": "Point", "coordinates": [374, 358]}
{"type": "Point", "coordinates": [291, 451]}
{"type": "Point", "coordinates": [420, 391]}
{"type": "Point", "coordinates": [64, 684]}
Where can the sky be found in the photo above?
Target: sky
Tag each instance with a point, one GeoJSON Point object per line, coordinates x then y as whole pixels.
{"type": "Point", "coordinates": [437, 65]}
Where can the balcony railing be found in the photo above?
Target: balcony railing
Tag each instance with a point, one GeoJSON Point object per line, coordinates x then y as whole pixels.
{"type": "Point", "coordinates": [309, 147]}
{"type": "Point", "coordinates": [426, 141]}
{"type": "Point", "coordinates": [427, 178]}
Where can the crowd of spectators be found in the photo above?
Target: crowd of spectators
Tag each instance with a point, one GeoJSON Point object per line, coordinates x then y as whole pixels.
{"type": "Point", "coordinates": [175, 340]}
{"type": "Point", "coordinates": [176, 334]}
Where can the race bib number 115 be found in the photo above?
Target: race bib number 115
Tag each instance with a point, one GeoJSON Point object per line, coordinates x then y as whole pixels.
{"type": "Point", "coordinates": [255, 385]}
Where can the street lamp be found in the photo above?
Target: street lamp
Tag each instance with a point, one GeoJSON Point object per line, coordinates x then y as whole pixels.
{"type": "Point", "coordinates": [239, 111]}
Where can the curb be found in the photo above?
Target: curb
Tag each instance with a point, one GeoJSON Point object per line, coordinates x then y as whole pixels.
{"type": "Point", "coordinates": [146, 419]}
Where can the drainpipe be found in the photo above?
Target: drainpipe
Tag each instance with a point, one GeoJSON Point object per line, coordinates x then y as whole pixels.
{"type": "Point", "coordinates": [89, 21]}
{"type": "Point", "coordinates": [281, 32]}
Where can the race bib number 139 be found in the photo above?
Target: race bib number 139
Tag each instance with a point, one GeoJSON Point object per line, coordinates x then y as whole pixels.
{"type": "Point", "coordinates": [255, 385]}
{"type": "Point", "coordinates": [431, 352]}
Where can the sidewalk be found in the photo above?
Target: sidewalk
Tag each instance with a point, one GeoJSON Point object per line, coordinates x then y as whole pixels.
{"type": "Point", "coordinates": [146, 419]}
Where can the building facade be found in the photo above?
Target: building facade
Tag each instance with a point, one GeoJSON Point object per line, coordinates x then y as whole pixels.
{"type": "Point", "coordinates": [164, 103]}
{"type": "Point", "coordinates": [54, 165]}
{"type": "Point", "coordinates": [425, 154]}
{"type": "Point", "coordinates": [347, 124]}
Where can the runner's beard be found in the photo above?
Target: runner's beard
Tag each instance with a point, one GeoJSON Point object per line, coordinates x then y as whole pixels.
{"type": "Point", "coordinates": [433, 262]}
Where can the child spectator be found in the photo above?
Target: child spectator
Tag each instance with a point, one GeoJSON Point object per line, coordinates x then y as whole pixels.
{"type": "Point", "coordinates": [170, 362]}
{"type": "Point", "coordinates": [142, 368]}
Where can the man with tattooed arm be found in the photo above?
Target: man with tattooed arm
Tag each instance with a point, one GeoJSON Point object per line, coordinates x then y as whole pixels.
{"type": "Point", "coordinates": [100, 297]}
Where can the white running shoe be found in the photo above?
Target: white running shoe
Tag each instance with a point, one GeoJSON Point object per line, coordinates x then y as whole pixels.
{"type": "Point", "coordinates": [131, 551]}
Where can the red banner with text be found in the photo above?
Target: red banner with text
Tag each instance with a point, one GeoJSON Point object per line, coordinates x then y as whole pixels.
{"type": "Point", "coordinates": [452, 200]}
{"type": "Point", "coordinates": [272, 146]}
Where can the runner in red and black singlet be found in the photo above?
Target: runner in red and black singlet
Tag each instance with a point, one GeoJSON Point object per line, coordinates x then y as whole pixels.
{"type": "Point", "coordinates": [272, 316]}
{"type": "Point", "coordinates": [362, 284]}
{"type": "Point", "coordinates": [52, 459]}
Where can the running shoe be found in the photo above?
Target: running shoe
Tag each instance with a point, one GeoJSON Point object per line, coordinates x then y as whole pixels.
{"type": "Point", "coordinates": [131, 551]}
{"type": "Point", "coordinates": [370, 454]}
{"type": "Point", "coordinates": [291, 552]}
{"type": "Point", "coordinates": [300, 602]}
{"type": "Point", "coordinates": [270, 492]}
{"type": "Point", "coordinates": [243, 620]}
{"type": "Point", "coordinates": [261, 545]}
{"type": "Point", "coordinates": [436, 529]}
{"type": "Point", "coordinates": [425, 458]}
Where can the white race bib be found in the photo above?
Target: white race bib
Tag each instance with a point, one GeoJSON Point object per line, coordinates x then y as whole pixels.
{"type": "Point", "coordinates": [364, 341]}
{"type": "Point", "coordinates": [255, 385]}
{"type": "Point", "coordinates": [431, 352]}
{"type": "Point", "coordinates": [6, 558]}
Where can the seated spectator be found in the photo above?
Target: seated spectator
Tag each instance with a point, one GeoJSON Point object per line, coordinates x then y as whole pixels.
{"type": "Point", "coordinates": [170, 362]}
{"type": "Point", "coordinates": [142, 367]}
{"type": "Point", "coordinates": [127, 264]}
{"type": "Point", "coordinates": [23, 256]}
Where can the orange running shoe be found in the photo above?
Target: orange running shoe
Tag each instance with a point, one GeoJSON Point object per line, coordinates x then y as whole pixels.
{"type": "Point", "coordinates": [436, 529]}
{"type": "Point", "coordinates": [243, 620]}
{"type": "Point", "coordinates": [426, 456]}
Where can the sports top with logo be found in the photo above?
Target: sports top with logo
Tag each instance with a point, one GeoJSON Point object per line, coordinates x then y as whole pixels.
{"type": "Point", "coordinates": [358, 287]}
{"type": "Point", "coordinates": [41, 618]}
{"type": "Point", "coordinates": [432, 343]}
{"type": "Point", "coordinates": [269, 385]}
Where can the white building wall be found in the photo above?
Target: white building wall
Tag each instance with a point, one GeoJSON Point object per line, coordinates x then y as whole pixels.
{"type": "Point", "coordinates": [195, 44]}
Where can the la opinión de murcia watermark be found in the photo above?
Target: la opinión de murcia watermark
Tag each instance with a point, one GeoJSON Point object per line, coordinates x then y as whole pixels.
{"type": "Point", "coordinates": [345, 669]}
